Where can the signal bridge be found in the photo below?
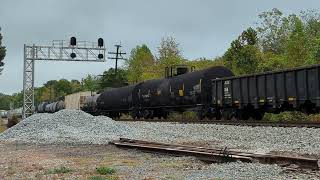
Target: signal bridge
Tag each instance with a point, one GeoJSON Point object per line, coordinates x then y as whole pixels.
{"type": "Point", "coordinates": [59, 50]}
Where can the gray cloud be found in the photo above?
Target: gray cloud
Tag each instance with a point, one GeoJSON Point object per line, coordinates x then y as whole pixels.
{"type": "Point", "coordinates": [203, 28]}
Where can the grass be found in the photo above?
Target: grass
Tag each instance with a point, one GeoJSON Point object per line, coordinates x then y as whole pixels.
{"type": "Point", "coordinates": [103, 178]}
{"type": "Point", "coordinates": [97, 178]}
{"type": "Point", "coordinates": [60, 170]}
{"type": "Point", "coordinates": [291, 116]}
{"type": "Point", "coordinates": [105, 170]}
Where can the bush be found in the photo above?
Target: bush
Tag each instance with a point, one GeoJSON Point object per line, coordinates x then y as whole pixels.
{"type": "Point", "coordinates": [105, 170]}
{"type": "Point", "coordinates": [287, 116]}
{"type": "Point", "coordinates": [314, 117]}
{"type": "Point", "coordinates": [59, 170]}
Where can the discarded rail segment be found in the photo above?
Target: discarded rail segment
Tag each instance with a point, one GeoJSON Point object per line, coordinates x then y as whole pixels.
{"type": "Point", "coordinates": [217, 155]}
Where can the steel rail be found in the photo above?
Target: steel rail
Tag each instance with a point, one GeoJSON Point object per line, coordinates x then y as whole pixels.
{"type": "Point", "coordinates": [217, 155]}
{"type": "Point", "coordinates": [232, 122]}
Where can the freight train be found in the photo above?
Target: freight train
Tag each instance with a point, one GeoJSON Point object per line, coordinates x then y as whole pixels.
{"type": "Point", "coordinates": [180, 91]}
{"type": "Point", "coordinates": [213, 93]}
{"type": "Point", "coordinates": [47, 107]}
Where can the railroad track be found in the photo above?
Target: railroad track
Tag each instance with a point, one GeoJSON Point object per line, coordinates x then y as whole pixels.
{"type": "Point", "coordinates": [234, 123]}
{"type": "Point", "coordinates": [218, 155]}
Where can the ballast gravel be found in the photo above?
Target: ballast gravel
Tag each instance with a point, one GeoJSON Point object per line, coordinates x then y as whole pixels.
{"type": "Point", "coordinates": [78, 127]}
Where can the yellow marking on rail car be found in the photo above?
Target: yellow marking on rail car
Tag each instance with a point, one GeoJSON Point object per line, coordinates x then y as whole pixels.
{"type": "Point", "coordinates": [262, 100]}
{"type": "Point", "coordinates": [291, 98]}
{"type": "Point", "coordinates": [181, 92]}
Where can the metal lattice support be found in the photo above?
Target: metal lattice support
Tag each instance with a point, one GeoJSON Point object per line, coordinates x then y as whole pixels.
{"type": "Point", "coordinates": [28, 82]}
{"type": "Point", "coordinates": [59, 51]}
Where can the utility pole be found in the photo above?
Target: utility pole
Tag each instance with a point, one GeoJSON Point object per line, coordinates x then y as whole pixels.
{"type": "Point", "coordinates": [118, 54]}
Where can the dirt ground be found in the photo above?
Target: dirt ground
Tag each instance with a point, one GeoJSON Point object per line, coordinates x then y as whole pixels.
{"type": "Point", "coordinates": [23, 161]}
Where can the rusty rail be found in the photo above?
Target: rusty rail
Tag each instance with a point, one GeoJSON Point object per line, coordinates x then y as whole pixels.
{"type": "Point", "coordinates": [217, 155]}
{"type": "Point", "coordinates": [233, 122]}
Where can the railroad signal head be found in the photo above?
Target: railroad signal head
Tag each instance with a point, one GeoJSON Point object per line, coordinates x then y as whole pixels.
{"type": "Point", "coordinates": [100, 56]}
{"type": "Point", "coordinates": [73, 41]}
{"type": "Point", "coordinates": [100, 42]}
{"type": "Point", "coordinates": [73, 55]}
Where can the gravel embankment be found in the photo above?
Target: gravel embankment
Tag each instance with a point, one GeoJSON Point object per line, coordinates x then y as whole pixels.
{"type": "Point", "coordinates": [77, 127]}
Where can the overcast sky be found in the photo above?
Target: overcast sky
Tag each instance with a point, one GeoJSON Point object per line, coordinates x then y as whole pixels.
{"type": "Point", "coordinates": [203, 28]}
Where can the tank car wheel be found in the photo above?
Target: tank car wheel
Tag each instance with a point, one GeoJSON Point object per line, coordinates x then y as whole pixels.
{"type": "Point", "coordinates": [200, 115]}
{"type": "Point", "coordinates": [146, 114]}
{"type": "Point", "coordinates": [227, 114]}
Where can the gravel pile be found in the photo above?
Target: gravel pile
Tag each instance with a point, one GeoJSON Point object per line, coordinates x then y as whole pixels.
{"type": "Point", "coordinates": [66, 126]}
{"type": "Point", "coordinates": [77, 127]}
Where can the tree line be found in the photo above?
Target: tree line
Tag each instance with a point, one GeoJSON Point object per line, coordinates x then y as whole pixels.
{"type": "Point", "coordinates": [277, 41]}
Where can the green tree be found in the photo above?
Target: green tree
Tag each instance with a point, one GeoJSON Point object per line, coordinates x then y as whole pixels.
{"type": "Point", "coordinates": [75, 86]}
{"type": "Point", "coordinates": [297, 49]}
{"type": "Point", "coordinates": [17, 100]}
{"type": "Point", "coordinates": [110, 79]}
{"type": "Point", "coordinates": [63, 87]}
{"type": "Point", "coordinates": [5, 101]}
{"type": "Point", "coordinates": [273, 31]}
{"type": "Point", "coordinates": [204, 63]}
{"type": "Point", "coordinates": [169, 55]}
{"type": "Point", "coordinates": [244, 54]}
{"type": "Point", "coordinates": [2, 53]}
{"type": "Point", "coordinates": [271, 62]}
{"type": "Point", "coordinates": [90, 83]}
{"type": "Point", "coordinates": [140, 64]}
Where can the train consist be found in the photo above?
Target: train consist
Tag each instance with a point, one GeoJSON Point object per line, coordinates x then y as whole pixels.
{"type": "Point", "coordinates": [14, 113]}
{"type": "Point", "coordinates": [213, 93]}
{"type": "Point", "coordinates": [180, 91]}
{"type": "Point", "coordinates": [3, 114]}
{"type": "Point", "coordinates": [53, 107]}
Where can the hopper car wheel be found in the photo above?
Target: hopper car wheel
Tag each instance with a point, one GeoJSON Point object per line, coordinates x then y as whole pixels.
{"type": "Point", "coordinates": [257, 115]}
{"type": "Point", "coordinates": [165, 115]}
{"type": "Point", "coordinates": [243, 115]}
{"type": "Point", "coordinates": [210, 116]}
{"type": "Point", "coordinates": [218, 115]}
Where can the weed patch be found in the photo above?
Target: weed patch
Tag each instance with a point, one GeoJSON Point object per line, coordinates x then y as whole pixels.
{"type": "Point", "coordinates": [105, 170]}
{"type": "Point", "coordinates": [60, 170]}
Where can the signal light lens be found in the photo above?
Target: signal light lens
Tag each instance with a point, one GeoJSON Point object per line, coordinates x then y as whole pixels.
{"type": "Point", "coordinates": [73, 55]}
{"type": "Point", "coordinates": [100, 42]}
{"type": "Point", "coordinates": [73, 41]}
{"type": "Point", "coordinates": [100, 56]}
